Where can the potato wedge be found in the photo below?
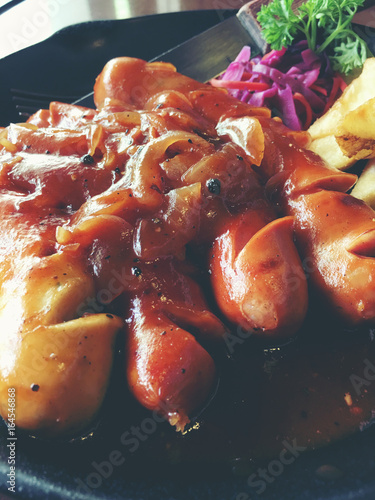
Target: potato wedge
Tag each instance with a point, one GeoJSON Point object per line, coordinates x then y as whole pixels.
{"type": "Point", "coordinates": [358, 92]}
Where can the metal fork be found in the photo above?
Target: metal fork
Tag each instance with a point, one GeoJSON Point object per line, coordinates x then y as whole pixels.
{"type": "Point", "coordinates": [27, 103]}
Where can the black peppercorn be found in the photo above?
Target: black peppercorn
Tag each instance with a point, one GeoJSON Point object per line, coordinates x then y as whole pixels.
{"type": "Point", "coordinates": [214, 186]}
{"type": "Point", "coordinates": [136, 271]}
{"type": "Point", "coordinates": [87, 159]}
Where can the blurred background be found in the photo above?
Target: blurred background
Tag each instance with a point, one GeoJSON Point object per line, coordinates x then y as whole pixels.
{"type": "Point", "coordinates": [23, 23]}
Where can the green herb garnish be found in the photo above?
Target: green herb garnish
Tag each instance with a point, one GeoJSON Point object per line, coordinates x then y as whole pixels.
{"type": "Point", "coordinates": [326, 25]}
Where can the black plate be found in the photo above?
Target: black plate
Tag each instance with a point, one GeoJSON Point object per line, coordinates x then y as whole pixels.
{"type": "Point", "coordinates": [68, 63]}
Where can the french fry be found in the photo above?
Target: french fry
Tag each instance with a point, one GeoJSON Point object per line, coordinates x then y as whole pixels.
{"type": "Point", "coordinates": [328, 149]}
{"type": "Point", "coordinates": [361, 121]}
{"type": "Point", "coordinates": [346, 133]}
{"type": "Point", "coordinates": [356, 148]}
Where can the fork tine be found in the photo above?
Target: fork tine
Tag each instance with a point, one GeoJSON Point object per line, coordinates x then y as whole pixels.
{"type": "Point", "coordinates": [24, 114]}
{"type": "Point", "coordinates": [27, 103]}
{"type": "Point", "coordinates": [22, 101]}
{"type": "Point", "coordinates": [27, 109]}
{"type": "Point", "coordinates": [26, 94]}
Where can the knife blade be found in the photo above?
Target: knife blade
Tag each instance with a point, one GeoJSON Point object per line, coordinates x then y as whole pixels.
{"type": "Point", "coordinates": [365, 17]}
{"type": "Point", "coordinates": [208, 54]}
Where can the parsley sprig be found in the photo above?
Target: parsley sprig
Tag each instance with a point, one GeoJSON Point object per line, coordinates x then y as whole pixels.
{"type": "Point", "coordinates": [326, 25]}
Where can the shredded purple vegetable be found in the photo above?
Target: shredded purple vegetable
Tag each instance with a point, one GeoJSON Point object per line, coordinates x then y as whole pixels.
{"type": "Point", "coordinates": [296, 70]}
